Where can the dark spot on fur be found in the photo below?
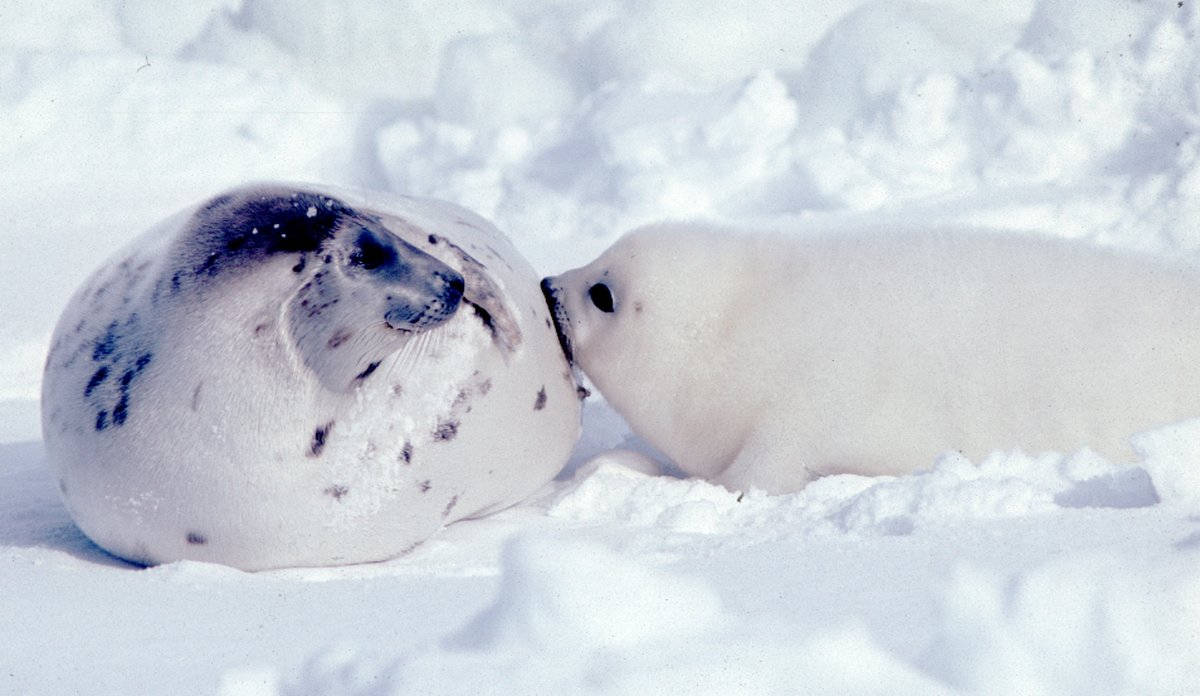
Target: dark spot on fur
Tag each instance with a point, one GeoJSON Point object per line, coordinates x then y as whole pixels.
{"type": "Point", "coordinates": [258, 330]}
{"type": "Point", "coordinates": [485, 386]}
{"type": "Point", "coordinates": [196, 539]}
{"type": "Point", "coordinates": [397, 389]}
{"type": "Point", "coordinates": [320, 435]}
{"type": "Point", "coordinates": [105, 345]}
{"type": "Point", "coordinates": [101, 420]}
{"type": "Point", "coordinates": [425, 485]}
{"type": "Point", "coordinates": [540, 402]}
{"type": "Point", "coordinates": [121, 411]}
{"type": "Point", "coordinates": [97, 378]}
{"type": "Point", "coordinates": [300, 264]}
{"type": "Point", "coordinates": [582, 392]}
{"type": "Point", "coordinates": [637, 306]}
{"type": "Point", "coordinates": [485, 317]}
{"type": "Point", "coordinates": [449, 506]}
{"type": "Point", "coordinates": [460, 398]}
{"type": "Point", "coordinates": [337, 492]}
{"type": "Point", "coordinates": [406, 453]}
{"type": "Point", "coordinates": [126, 379]}
{"type": "Point", "coordinates": [196, 397]}
{"type": "Point", "coordinates": [549, 325]}
{"type": "Point", "coordinates": [143, 361]}
{"type": "Point", "coordinates": [446, 430]}
{"type": "Point", "coordinates": [367, 372]}
{"type": "Point", "coordinates": [433, 240]}
{"type": "Point", "coordinates": [62, 486]}
{"type": "Point", "coordinates": [340, 337]}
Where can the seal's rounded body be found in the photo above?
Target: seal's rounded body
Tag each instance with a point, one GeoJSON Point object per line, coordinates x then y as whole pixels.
{"type": "Point", "coordinates": [289, 376]}
{"type": "Point", "coordinates": [767, 360]}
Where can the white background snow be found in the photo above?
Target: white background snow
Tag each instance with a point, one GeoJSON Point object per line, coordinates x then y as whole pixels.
{"type": "Point", "coordinates": [567, 123]}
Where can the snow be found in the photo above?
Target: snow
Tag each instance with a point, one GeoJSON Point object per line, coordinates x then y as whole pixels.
{"type": "Point", "coordinates": [566, 123]}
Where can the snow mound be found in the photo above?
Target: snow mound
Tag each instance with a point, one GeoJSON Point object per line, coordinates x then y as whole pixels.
{"type": "Point", "coordinates": [1005, 485]}
{"type": "Point", "coordinates": [1083, 626]}
{"type": "Point", "coordinates": [1172, 458]}
{"type": "Point", "coordinates": [554, 596]}
{"type": "Point", "coordinates": [595, 621]}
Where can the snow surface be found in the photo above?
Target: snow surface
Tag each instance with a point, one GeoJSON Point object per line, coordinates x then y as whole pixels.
{"type": "Point", "coordinates": [566, 123]}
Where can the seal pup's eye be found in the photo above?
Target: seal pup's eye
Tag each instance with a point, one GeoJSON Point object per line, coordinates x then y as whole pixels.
{"type": "Point", "coordinates": [371, 252]}
{"type": "Point", "coordinates": [601, 297]}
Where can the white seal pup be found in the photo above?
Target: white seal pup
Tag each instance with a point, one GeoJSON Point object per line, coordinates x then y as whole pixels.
{"type": "Point", "coordinates": [297, 376]}
{"type": "Point", "coordinates": [766, 360]}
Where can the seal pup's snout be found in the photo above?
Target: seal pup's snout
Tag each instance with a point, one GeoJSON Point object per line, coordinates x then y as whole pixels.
{"type": "Point", "coordinates": [558, 314]}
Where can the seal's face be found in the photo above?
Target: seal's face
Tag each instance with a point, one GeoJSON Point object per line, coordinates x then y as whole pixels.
{"type": "Point", "coordinates": [352, 291]}
{"type": "Point", "coordinates": [639, 318]}
{"type": "Point", "coordinates": [596, 309]}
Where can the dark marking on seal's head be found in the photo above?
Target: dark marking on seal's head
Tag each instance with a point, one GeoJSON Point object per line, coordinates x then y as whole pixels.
{"type": "Point", "coordinates": [449, 506]}
{"type": "Point", "coordinates": [433, 240]}
{"type": "Point", "coordinates": [446, 430]}
{"type": "Point", "coordinates": [339, 337]}
{"type": "Point", "coordinates": [320, 435]}
{"type": "Point", "coordinates": [196, 539]}
{"type": "Point", "coordinates": [101, 420]}
{"type": "Point", "coordinates": [233, 230]}
{"type": "Point", "coordinates": [406, 453]}
{"type": "Point", "coordinates": [540, 402]}
{"type": "Point", "coordinates": [337, 492]}
{"type": "Point", "coordinates": [425, 485]}
{"type": "Point", "coordinates": [216, 202]}
{"type": "Point", "coordinates": [367, 372]}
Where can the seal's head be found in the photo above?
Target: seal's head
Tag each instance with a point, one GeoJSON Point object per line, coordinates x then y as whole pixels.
{"type": "Point", "coordinates": [350, 290]}
{"type": "Point", "coordinates": [653, 323]}
{"type": "Point", "coordinates": [646, 295]}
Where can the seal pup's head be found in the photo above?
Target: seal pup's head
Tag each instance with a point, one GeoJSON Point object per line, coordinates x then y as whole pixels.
{"type": "Point", "coordinates": [638, 316]}
{"type": "Point", "coordinates": [351, 290]}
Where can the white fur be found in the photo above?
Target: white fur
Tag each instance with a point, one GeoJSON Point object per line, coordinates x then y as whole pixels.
{"type": "Point", "coordinates": [767, 360]}
{"type": "Point", "coordinates": [215, 460]}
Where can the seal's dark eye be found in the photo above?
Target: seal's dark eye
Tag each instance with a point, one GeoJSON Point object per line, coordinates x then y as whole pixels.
{"type": "Point", "coordinates": [371, 252]}
{"type": "Point", "coordinates": [601, 297]}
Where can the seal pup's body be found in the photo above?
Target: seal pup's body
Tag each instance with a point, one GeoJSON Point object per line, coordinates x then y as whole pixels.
{"type": "Point", "coordinates": [287, 376]}
{"type": "Point", "coordinates": [761, 359]}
